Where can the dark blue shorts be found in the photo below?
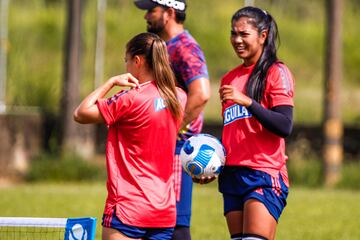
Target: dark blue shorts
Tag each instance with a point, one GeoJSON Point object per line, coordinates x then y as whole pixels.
{"type": "Point", "coordinates": [239, 184]}
{"type": "Point", "coordinates": [112, 221]}
{"type": "Point", "coordinates": [183, 207]}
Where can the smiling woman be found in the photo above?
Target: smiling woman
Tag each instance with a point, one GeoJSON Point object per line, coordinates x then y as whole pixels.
{"type": "Point", "coordinates": [257, 103]}
{"type": "Point", "coordinates": [246, 41]}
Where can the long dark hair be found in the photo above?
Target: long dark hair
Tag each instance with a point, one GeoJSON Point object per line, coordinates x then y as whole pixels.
{"type": "Point", "coordinates": [262, 21]}
{"type": "Point", "coordinates": [154, 49]}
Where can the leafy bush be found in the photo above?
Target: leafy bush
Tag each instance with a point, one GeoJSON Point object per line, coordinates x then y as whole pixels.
{"type": "Point", "coordinates": [64, 169]}
{"type": "Point", "coordinates": [36, 36]}
{"type": "Point", "coordinates": [305, 172]}
{"type": "Point", "coordinates": [350, 176]}
{"type": "Point", "coordinates": [305, 167]}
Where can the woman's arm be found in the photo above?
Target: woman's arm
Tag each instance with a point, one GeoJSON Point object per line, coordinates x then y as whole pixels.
{"type": "Point", "coordinates": [88, 112]}
{"type": "Point", "coordinates": [277, 120]}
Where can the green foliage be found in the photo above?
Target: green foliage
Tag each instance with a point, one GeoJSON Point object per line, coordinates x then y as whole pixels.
{"type": "Point", "coordinates": [34, 56]}
{"type": "Point", "coordinates": [350, 176]}
{"type": "Point", "coordinates": [36, 49]}
{"type": "Point", "coordinates": [305, 172]}
{"type": "Point", "coordinates": [53, 168]}
{"type": "Point", "coordinates": [305, 166]}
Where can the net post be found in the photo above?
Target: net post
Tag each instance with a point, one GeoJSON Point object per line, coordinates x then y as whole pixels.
{"type": "Point", "coordinates": [80, 228]}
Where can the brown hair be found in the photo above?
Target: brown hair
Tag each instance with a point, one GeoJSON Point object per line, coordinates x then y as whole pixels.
{"type": "Point", "coordinates": [154, 49]}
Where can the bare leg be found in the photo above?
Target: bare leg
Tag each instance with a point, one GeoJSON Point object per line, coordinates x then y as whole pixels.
{"type": "Point", "coordinates": [112, 234]}
{"type": "Point", "coordinates": [257, 220]}
{"type": "Point", "coordinates": [234, 221]}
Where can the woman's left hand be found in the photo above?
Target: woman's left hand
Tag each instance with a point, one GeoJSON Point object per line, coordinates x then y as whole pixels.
{"type": "Point", "coordinates": [124, 80]}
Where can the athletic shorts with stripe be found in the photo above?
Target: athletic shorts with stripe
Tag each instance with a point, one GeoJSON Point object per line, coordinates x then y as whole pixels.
{"type": "Point", "coordinates": [112, 221]}
{"type": "Point", "coordinates": [239, 184]}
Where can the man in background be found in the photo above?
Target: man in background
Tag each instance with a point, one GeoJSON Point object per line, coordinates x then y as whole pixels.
{"type": "Point", "coordinates": [166, 18]}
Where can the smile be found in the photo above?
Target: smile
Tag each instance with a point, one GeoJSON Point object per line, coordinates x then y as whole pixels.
{"type": "Point", "coordinates": [239, 48]}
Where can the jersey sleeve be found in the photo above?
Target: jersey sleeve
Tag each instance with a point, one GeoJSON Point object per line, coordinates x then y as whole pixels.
{"type": "Point", "coordinates": [192, 63]}
{"type": "Point", "coordinates": [114, 108]}
{"type": "Point", "coordinates": [280, 86]}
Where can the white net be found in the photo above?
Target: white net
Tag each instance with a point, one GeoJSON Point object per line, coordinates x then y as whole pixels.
{"type": "Point", "coordinates": [31, 233]}
{"type": "Point", "coordinates": [32, 228]}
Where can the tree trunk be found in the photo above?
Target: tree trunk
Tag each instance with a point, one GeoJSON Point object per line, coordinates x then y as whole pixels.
{"type": "Point", "coordinates": [72, 140]}
{"type": "Point", "coordinates": [332, 123]}
{"type": "Point", "coordinates": [4, 12]}
{"type": "Point", "coordinates": [100, 43]}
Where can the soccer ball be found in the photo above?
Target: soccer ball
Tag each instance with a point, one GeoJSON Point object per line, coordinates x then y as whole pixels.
{"type": "Point", "coordinates": [202, 155]}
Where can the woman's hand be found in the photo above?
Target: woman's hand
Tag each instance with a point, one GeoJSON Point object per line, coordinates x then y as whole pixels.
{"type": "Point", "coordinates": [124, 80]}
{"type": "Point", "coordinates": [228, 92]}
{"type": "Point", "coordinates": [203, 180]}
{"type": "Point", "coordinates": [88, 112]}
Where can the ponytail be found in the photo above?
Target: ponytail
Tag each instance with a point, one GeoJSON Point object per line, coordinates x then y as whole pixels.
{"type": "Point", "coordinates": [153, 48]}
{"type": "Point", "coordinates": [165, 78]}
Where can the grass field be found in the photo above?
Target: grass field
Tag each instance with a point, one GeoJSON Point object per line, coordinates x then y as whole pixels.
{"type": "Point", "coordinates": [310, 214]}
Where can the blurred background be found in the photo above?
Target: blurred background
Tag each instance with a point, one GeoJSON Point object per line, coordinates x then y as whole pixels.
{"type": "Point", "coordinates": [55, 52]}
{"type": "Point", "coordinates": [36, 41]}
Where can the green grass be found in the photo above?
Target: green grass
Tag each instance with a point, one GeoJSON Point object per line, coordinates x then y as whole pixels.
{"type": "Point", "coordinates": [310, 214]}
{"type": "Point", "coordinates": [320, 214]}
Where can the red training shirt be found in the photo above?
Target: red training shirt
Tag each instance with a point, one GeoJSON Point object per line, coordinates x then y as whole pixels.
{"type": "Point", "coordinates": [140, 156]}
{"type": "Point", "coordinates": [246, 141]}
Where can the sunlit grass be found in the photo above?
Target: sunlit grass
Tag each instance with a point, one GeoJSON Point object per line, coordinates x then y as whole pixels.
{"type": "Point", "coordinates": [310, 213]}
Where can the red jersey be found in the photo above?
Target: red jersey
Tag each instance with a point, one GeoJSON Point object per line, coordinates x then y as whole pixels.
{"type": "Point", "coordinates": [140, 156]}
{"type": "Point", "coordinates": [246, 141]}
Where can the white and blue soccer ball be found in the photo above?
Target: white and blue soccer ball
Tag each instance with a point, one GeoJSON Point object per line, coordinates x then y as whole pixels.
{"type": "Point", "coordinates": [202, 155]}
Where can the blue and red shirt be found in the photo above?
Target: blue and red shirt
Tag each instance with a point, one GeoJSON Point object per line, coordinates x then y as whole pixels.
{"type": "Point", "coordinates": [140, 156]}
{"type": "Point", "coordinates": [246, 141]}
{"type": "Point", "coordinates": [188, 63]}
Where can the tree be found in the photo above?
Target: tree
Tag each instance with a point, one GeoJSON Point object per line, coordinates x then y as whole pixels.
{"type": "Point", "coordinates": [332, 123]}
{"type": "Point", "coordinates": [4, 12]}
{"type": "Point", "coordinates": [72, 140]}
{"type": "Point", "coordinates": [100, 43]}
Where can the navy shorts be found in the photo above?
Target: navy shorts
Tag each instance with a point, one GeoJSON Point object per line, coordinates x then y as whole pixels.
{"type": "Point", "coordinates": [239, 184]}
{"type": "Point", "coordinates": [183, 207]}
{"type": "Point", "coordinates": [112, 221]}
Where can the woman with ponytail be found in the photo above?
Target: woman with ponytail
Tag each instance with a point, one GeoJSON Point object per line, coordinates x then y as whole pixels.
{"type": "Point", "coordinates": [143, 123]}
{"type": "Point", "coordinates": [257, 108]}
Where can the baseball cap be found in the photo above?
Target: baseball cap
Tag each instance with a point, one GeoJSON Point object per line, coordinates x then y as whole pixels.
{"type": "Point", "coordinates": [178, 5]}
